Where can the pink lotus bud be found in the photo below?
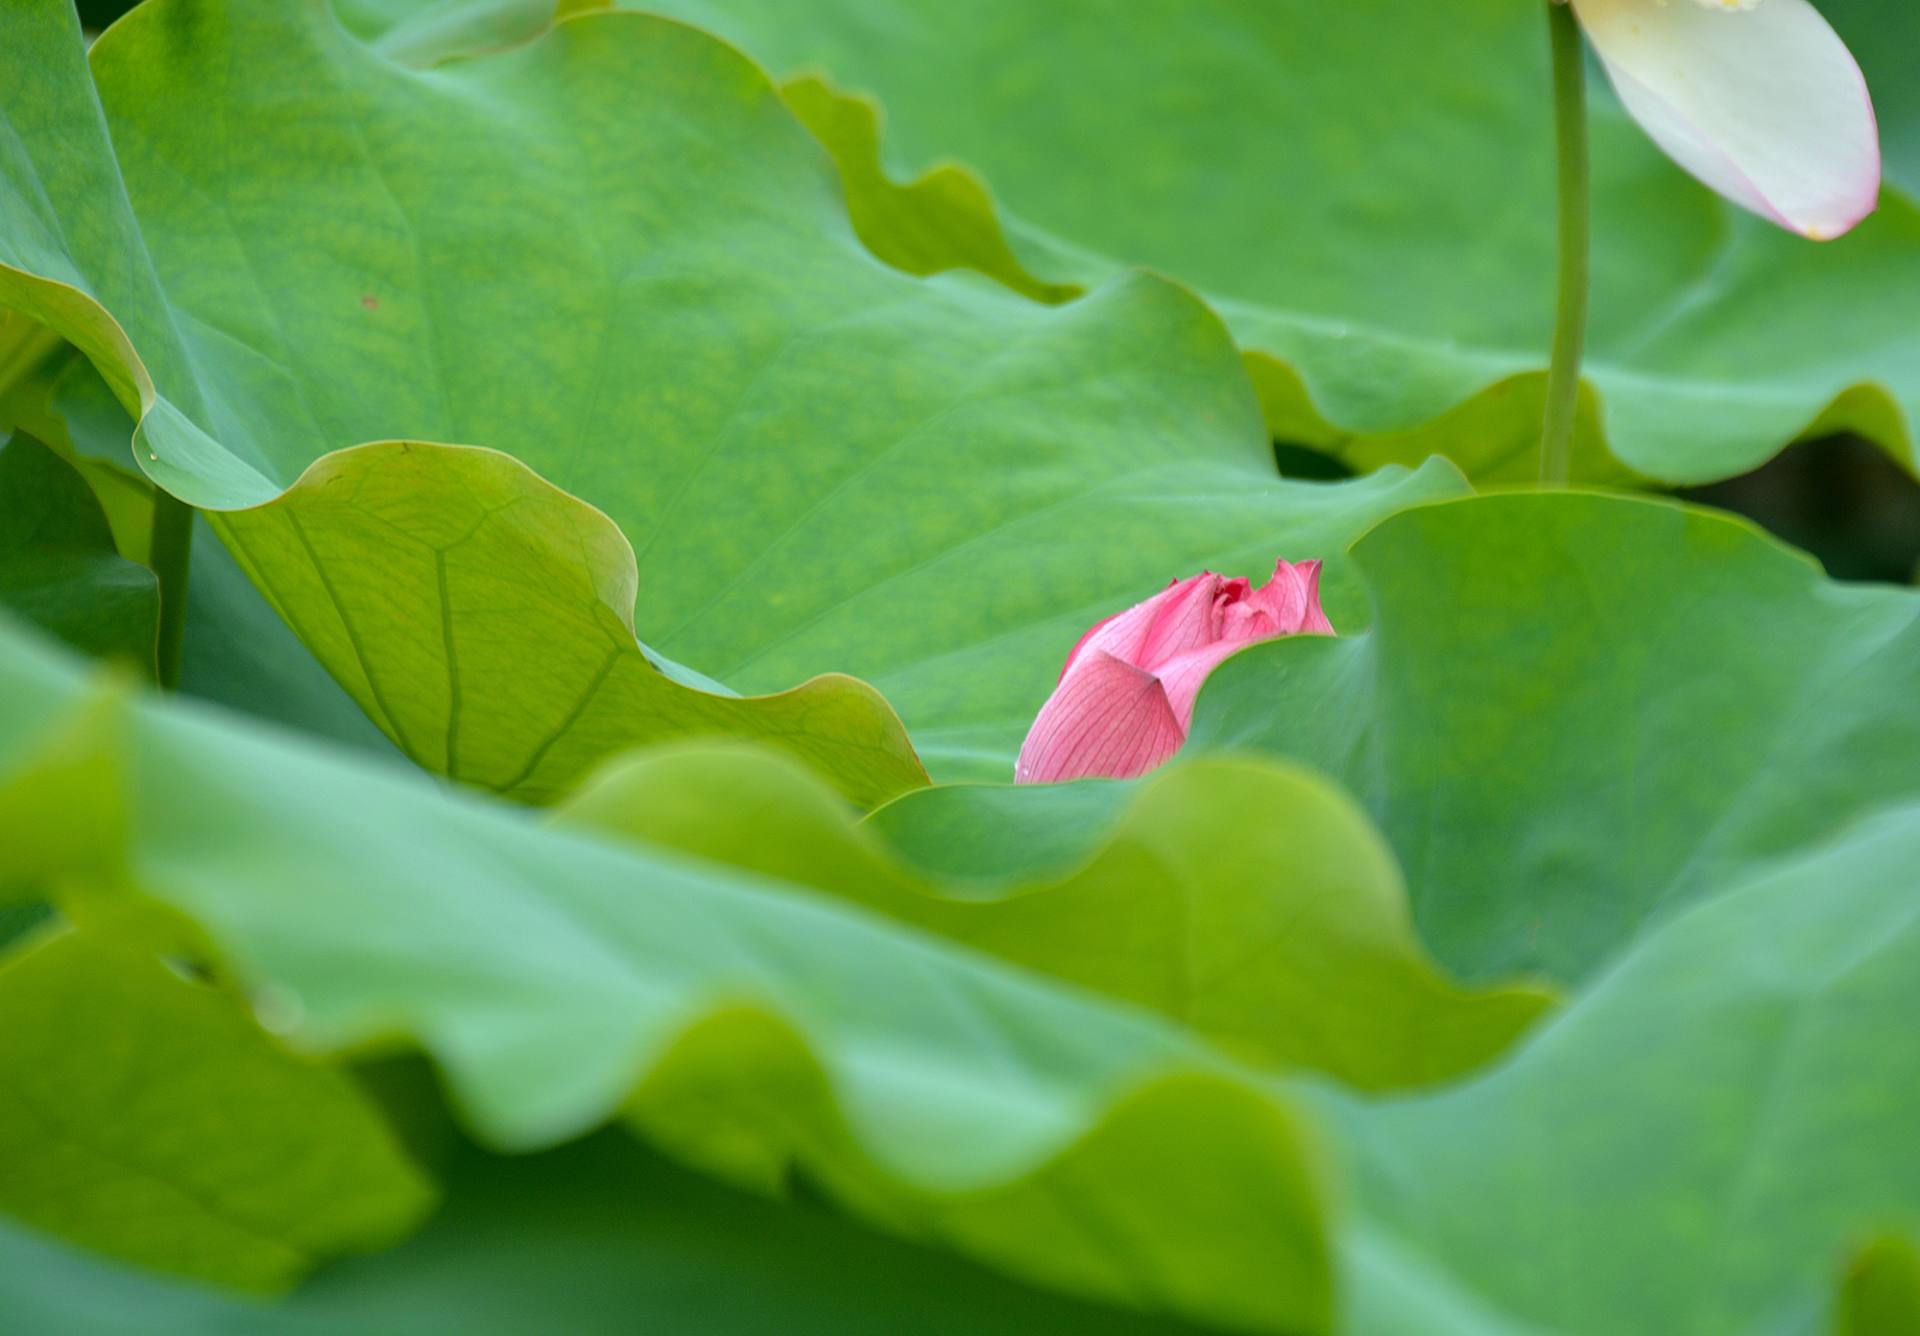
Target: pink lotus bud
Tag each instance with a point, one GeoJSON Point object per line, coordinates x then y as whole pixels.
{"type": "Point", "coordinates": [1125, 697]}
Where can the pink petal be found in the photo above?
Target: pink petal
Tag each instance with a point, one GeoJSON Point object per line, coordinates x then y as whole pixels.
{"type": "Point", "coordinates": [1182, 678]}
{"type": "Point", "coordinates": [1123, 634]}
{"type": "Point", "coordinates": [1292, 598]}
{"type": "Point", "coordinates": [1247, 621]}
{"type": "Point", "coordinates": [1763, 104]}
{"type": "Point", "coordinates": [1106, 718]}
{"type": "Point", "coordinates": [1087, 636]}
{"type": "Point", "coordinates": [1187, 618]}
{"type": "Point", "coordinates": [1284, 598]}
{"type": "Point", "coordinates": [1315, 621]}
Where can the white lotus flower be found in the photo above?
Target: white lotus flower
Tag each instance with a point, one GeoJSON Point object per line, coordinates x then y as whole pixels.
{"type": "Point", "coordinates": [1759, 99]}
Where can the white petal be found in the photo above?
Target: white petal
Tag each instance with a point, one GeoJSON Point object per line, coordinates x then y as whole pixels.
{"type": "Point", "coordinates": [1761, 102]}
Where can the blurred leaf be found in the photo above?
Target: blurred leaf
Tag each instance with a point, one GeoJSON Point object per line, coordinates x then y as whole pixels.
{"type": "Point", "coordinates": [824, 464]}
{"type": "Point", "coordinates": [1881, 1294]}
{"type": "Point", "coordinates": [600, 1238]}
{"type": "Point", "coordinates": [63, 823]}
{"type": "Point", "coordinates": [1364, 192]}
{"type": "Point", "coordinates": [146, 1116]}
{"type": "Point", "coordinates": [423, 31]}
{"type": "Point", "coordinates": [1577, 713]}
{"type": "Point", "coordinates": [1249, 901]}
{"type": "Point", "coordinates": [58, 565]}
{"type": "Point", "coordinates": [1696, 1144]}
{"type": "Point", "coordinates": [753, 1030]}
{"type": "Point", "coordinates": [18, 918]}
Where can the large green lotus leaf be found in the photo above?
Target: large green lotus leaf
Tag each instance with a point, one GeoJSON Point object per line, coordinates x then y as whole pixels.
{"type": "Point", "coordinates": [1365, 193]}
{"type": "Point", "coordinates": [529, 671]}
{"type": "Point", "coordinates": [824, 464]}
{"type": "Point", "coordinates": [240, 654]}
{"type": "Point", "coordinates": [1574, 713]}
{"type": "Point", "coordinates": [1249, 901]}
{"type": "Point", "coordinates": [942, 220]}
{"type": "Point", "coordinates": [218, 375]}
{"type": "Point", "coordinates": [58, 565]}
{"type": "Point", "coordinates": [752, 1028]}
{"type": "Point", "coordinates": [1705, 1141]}
{"type": "Point", "coordinates": [147, 1116]}
{"type": "Point", "coordinates": [600, 1238]}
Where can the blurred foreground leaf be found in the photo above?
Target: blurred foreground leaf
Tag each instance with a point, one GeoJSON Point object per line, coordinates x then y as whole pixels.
{"type": "Point", "coordinates": [599, 1238]}
{"type": "Point", "coordinates": [146, 1116]}
{"type": "Point", "coordinates": [757, 1031]}
{"type": "Point", "coordinates": [1701, 1140]}
{"type": "Point", "coordinates": [1249, 901]}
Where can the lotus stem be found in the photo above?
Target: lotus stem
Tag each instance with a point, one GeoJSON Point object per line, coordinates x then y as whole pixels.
{"type": "Point", "coordinates": [1574, 188]}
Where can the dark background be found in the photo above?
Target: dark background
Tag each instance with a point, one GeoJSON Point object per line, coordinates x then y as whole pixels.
{"type": "Point", "coordinates": [1840, 499]}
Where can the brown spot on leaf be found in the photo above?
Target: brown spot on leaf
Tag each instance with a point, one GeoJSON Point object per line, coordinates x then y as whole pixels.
{"type": "Point", "coordinates": [372, 303]}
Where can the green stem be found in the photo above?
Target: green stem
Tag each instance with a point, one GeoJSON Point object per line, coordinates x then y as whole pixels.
{"type": "Point", "coordinates": [1575, 191]}
{"type": "Point", "coordinates": [172, 544]}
